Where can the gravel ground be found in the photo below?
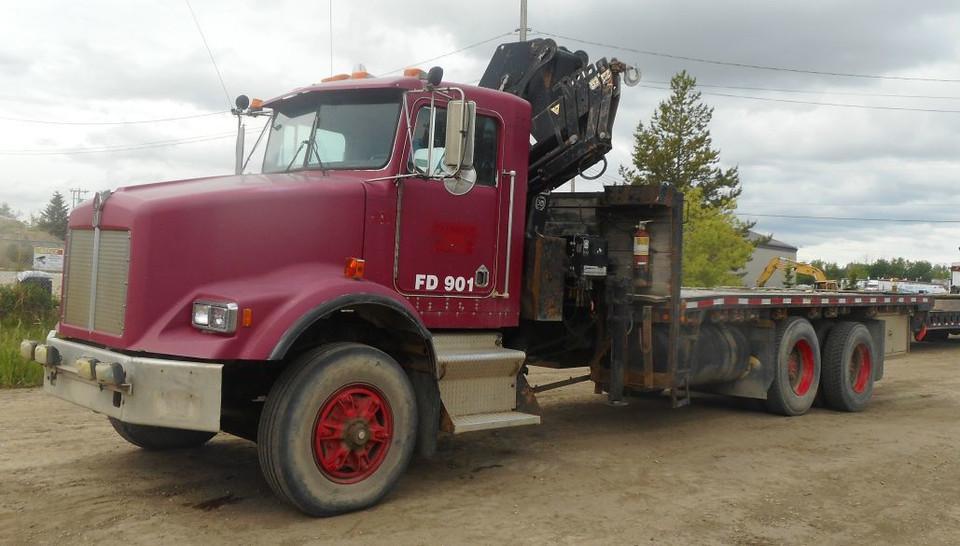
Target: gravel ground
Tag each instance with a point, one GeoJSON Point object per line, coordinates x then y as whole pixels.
{"type": "Point", "coordinates": [719, 472]}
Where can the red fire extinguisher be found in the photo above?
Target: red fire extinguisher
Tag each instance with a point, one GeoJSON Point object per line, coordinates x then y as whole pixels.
{"type": "Point", "coordinates": [641, 254]}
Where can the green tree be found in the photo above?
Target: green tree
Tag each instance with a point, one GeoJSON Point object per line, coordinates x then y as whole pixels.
{"type": "Point", "coordinates": [789, 277]}
{"type": "Point", "coordinates": [921, 270]}
{"type": "Point", "coordinates": [714, 249]}
{"type": "Point", "coordinates": [7, 212]}
{"type": "Point", "coordinates": [54, 217]}
{"type": "Point", "coordinates": [677, 148]}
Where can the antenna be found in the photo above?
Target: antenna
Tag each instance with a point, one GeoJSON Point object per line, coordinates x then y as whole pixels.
{"type": "Point", "coordinates": [523, 21]}
{"type": "Point", "coordinates": [331, 37]}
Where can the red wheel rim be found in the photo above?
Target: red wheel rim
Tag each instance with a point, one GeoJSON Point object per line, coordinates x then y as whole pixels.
{"type": "Point", "coordinates": [800, 368]}
{"type": "Point", "coordinates": [353, 432]}
{"type": "Point", "coordinates": [859, 368]}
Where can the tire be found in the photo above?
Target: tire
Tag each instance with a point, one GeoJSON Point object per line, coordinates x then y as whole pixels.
{"type": "Point", "coordinates": [848, 369]}
{"type": "Point", "coordinates": [823, 329]}
{"type": "Point", "coordinates": [797, 370]}
{"type": "Point", "coordinates": [338, 429]}
{"type": "Point", "coordinates": [160, 438]}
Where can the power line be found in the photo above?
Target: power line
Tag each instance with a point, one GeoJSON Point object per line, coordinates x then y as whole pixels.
{"type": "Point", "coordinates": [816, 92]}
{"type": "Point", "coordinates": [748, 65]}
{"type": "Point", "coordinates": [454, 52]}
{"type": "Point", "coordinates": [128, 122]}
{"type": "Point", "coordinates": [848, 205]}
{"type": "Point", "coordinates": [123, 148]}
{"type": "Point", "coordinates": [817, 103]}
{"type": "Point", "coordinates": [226, 93]}
{"type": "Point", "coordinates": [849, 218]}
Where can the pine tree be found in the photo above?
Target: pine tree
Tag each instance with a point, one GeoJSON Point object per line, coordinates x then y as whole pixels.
{"type": "Point", "coordinates": [54, 217]}
{"type": "Point", "coordinates": [789, 275]}
{"type": "Point", "coordinates": [677, 148]}
{"type": "Point", "coordinates": [7, 212]}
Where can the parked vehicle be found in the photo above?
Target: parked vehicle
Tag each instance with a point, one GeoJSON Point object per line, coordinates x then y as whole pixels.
{"type": "Point", "coordinates": [400, 263]}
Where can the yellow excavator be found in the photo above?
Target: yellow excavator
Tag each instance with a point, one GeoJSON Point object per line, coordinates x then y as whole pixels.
{"type": "Point", "coordinates": [820, 279]}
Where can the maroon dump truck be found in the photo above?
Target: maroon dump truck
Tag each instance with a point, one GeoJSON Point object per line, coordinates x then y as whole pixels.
{"type": "Point", "coordinates": [396, 268]}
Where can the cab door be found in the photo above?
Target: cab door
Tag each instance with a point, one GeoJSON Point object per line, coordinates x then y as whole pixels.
{"type": "Point", "coordinates": [448, 246]}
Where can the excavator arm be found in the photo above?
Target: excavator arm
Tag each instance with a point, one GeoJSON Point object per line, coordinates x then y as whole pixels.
{"type": "Point", "coordinates": [820, 278]}
{"type": "Point", "coordinates": [574, 103]}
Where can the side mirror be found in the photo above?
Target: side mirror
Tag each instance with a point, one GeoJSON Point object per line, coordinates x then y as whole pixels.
{"type": "Point", "coordinates": [461, 119]}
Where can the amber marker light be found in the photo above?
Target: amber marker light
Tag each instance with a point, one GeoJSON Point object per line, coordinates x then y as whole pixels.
{"type": "Point", "coordinates": [256, 104]}
{"type": "Point", "coordinates": [336, 78]}
{"type": "Point", "coordinates": [415, 73]}
{"type": "Point", "coordinates": [246, 317]}
{"type": "Point", "coordinates": [354, 268]}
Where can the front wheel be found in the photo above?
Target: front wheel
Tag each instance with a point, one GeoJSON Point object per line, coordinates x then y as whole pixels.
{"type": "Point", "coordinates": [338, 429]}
{"type": "Point", "coordinates": [160, 438]}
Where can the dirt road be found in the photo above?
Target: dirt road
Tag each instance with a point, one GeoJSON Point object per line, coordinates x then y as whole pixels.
{"type": "Point", "coordinates": [720, 472]}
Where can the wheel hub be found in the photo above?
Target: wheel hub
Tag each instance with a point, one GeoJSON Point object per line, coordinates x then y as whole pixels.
{"type": "Point", "coordinates": [859, 368]}
{"type": "Point", "coordinates": [353, 433]}
{"type": "Point", "coordinates": [357, 434]}
{"type": "Point", "coordinates": [801, 368]}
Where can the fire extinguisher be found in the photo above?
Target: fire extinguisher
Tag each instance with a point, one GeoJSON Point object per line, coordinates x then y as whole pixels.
{"type": "Point", "coordinates": [641, 254]}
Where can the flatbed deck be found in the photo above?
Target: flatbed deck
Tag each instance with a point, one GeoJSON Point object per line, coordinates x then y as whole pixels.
{"type": "Point", "coordinates": [724, 298]}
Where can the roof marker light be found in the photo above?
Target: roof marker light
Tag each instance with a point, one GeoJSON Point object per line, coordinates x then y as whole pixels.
{"type": "Point", "coordinates": [336, 78]}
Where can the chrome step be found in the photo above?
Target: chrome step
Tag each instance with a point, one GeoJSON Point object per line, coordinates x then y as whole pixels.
{"type": "Point", "coordinates": [488, 421]}
{"type": "Point", "coordinates": [478, 381]}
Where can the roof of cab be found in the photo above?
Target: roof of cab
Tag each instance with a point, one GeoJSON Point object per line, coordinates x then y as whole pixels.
{"type": "Point", "coordinates": [399, 82]}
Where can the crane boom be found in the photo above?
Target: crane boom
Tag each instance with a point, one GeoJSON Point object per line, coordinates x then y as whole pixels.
{"type": "Point", "coordinates": [574, 104]}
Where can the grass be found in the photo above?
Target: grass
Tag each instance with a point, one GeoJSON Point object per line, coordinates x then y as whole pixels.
{"type": "Point", "coordinates": [26, 312]}
{"type": "Point", "coordinates": [14, 370]}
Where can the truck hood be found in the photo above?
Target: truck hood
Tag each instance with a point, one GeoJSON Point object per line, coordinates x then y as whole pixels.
{"type": "Point", "coordinates": [222, 238]}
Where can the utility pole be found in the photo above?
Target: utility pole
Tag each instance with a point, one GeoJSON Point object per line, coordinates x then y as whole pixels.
{"type": "Point", "coordinates": [77, 195]}
{"type": "Point", "coordinates": [523, 20]}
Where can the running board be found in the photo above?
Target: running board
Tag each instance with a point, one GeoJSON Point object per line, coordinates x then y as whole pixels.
{"type": "Point", "coordinates": [488, 421]}
{"type": "Point", "coordinates": [478, 382]}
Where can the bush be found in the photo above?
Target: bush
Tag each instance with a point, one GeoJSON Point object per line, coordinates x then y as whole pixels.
{"type": "Point", "coordinates": [26, 303]}
{"type": "Point", "coordinates": [26, 312]}
{"type": "Point", "coordinates": [14, 370]}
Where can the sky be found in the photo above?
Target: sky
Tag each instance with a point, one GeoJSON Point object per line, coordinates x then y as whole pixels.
{"type": "Point", "coordinates": [70, 64]}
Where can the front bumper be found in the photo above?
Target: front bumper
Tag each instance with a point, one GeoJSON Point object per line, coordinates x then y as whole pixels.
{"type": "Point", "coordinates": [158, 392]}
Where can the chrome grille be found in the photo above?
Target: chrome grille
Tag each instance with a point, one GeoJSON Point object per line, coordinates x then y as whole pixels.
{"type": "Point", "coordinates": [108, 299]}
{"type": "Point", "coordinates": [79, 271]}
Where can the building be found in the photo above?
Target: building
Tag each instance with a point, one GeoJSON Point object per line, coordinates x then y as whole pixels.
{"type": "Point", "coordinates": [762, 255]}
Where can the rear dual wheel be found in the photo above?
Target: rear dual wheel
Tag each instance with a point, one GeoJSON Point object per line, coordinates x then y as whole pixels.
{"type": "Point", "coordinates": [338, 429]}
{"type": "Point", "coordinates": [848, 367]}
{"type": "Point", "coordinates": [797, 373]}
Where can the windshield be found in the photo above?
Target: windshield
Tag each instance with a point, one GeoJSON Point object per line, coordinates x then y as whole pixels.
{"type": "Point", "coordinates": [333, 130]}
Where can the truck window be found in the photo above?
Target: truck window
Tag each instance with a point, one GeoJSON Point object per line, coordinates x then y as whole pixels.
{"type": "Point", "coordinates": [485, 147]}
{"type": "Point", "coordinates": [334, 131]}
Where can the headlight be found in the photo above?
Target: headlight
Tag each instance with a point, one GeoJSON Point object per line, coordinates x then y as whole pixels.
{"type": "Point", "coordinates": [215, 316]}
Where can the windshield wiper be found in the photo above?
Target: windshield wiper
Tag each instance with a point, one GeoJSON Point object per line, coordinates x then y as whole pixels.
{"type": "Point", "coordinates": [289, 165]}
{"type": "Point", "coordinates": [316, 154]}
{"type": "Point", "coordinates": [313, 141]}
